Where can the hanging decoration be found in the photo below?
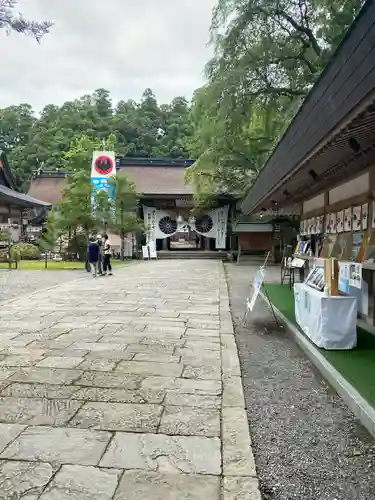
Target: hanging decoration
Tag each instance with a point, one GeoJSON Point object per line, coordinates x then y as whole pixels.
{"type": "Point", "coordinates": [103, 168]}
{"type": "Point", "coordinates": [160, 224]}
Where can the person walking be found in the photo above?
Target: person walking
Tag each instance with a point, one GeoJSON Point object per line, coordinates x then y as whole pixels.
{"type": "Point", "coordinates": [100, 260]}
{"type": "Point", "coordinates": [93, 251]}
{"type": "Point", "coordinates": [107, 256]}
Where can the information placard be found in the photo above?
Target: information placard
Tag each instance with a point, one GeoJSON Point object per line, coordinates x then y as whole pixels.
{"type": "Point", "coordinates": [257, 285]}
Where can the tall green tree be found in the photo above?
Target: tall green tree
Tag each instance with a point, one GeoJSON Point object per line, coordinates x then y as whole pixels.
{"type": "Point", "coordinates": [267, 55]}
{"type": "Point", "coordinates": [49, 236]}
{"type": "Point", "coordinates": [124, 214]}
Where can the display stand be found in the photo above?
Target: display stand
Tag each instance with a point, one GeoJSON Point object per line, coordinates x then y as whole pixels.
{"type": "Point", "coordinates": [329, 322]}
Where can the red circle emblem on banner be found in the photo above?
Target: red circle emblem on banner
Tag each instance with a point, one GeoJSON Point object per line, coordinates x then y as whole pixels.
{"type": "Point", "coordinates": [104, 165]}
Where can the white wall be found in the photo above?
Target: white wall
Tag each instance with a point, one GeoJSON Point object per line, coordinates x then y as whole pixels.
{"type": "Point", "coordinates": [314, 203]}
{"type": "Point", "coordinates": [355, 187]}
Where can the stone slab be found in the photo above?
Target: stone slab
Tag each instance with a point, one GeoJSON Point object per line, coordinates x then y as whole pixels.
{"type": "Point", "coordinates": [58, 445]}
{"type": "Point", "coordinates": [98, 365]}
{"type": "Point", "coordinates": [233, 392]}
{"type": "Point", "coordinates": [194, 386]}
{"type": "Point", "coordinates": [118, 417]}
{"type": "Point", "coordinates": [108, 379]}
{"type": "Point", "coordinates": [150, 368]}
{"type": "Point", "coordinates": [176, 398]}
{"type": "Point", "coordinates": [8, 432]}
{"type": "Point", "coordinates": [24, 480]}
{"type": "Point", "coordinates": [17, 390]}
{"type": "Point", "coordinates": [241, 488]}
{"type": "Point", "coordinates": [23, 360]}
{"type": "Point", "coordinates": [156, 358]}
{"type": "Point", "coordinates": [5, 373]}
{"type": "Point", "coordinates": [119, 395]}
{"type": "Point", "coordinates": [76, 482]}
{"type": "Point", "coordinates": [46, 376]}
{"type": "Point", "coordinates": [60, 362]}
{"type": "Point", "coordinates": [190, 421]}
{"type": "Point", "coordinates": [238, 458]}
{"type": "Point", "coordinates": [206, 372]}
{"type": "Point", "coordinates": [98, 347]}
{"type": "Point", "coordinates": [165, 454]}
{"type": "Point", "coordinates": [37, 411]}
{"type": "Point", "coordinates": [142, 485]}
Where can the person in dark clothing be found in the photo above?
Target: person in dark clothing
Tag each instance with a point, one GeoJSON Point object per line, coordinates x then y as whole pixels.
{"type": "Point", "coordinates": [107, 256]}
{"type": "Point", "coordinates": [93, 252]}
{"type": "Point", "coordinates": [100, 261]}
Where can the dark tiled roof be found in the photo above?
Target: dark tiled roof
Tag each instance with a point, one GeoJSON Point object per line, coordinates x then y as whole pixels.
{"type": "Point", "coordinates": [19, 199]}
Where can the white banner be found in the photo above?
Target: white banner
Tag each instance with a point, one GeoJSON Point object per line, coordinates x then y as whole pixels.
{"type": "Point", "coordinates": [160, 224]}
{"type": "Point", "coordinates": [149, 214]}
{"type": "Point", "coordinates": [103, 169]}
{"type": "Point", "coordinates": [221, 226]}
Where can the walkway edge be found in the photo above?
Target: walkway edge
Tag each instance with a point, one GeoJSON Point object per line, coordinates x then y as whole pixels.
{"type": "Point", "coordinates": [359, 406]}
{"type": "Point", "coordinates": [239, 475]}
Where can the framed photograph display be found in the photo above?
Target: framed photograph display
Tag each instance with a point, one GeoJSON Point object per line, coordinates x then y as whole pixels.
{"type": "Point", "coordinates": [356, 218]}
{"type": "Point", "coordinates": [355, 275]}
{"type": "Point", "coordinates": [315, 279]}
{"type": "Point", "coordinates": [327, 228]}
{"type": "Point", "coordinates": [333, 223]}
{"type": "Point", "coordinates": [364, 216]}
{"type": "Point", "coordinates": [348, 219]}
{"type": "Point", "coordinates": [308, 227]}
{"type": "Point", "coordinates": [313, 225]}
{"type": "Point", "coordinates": [340, 221]}
{"type": "Point", "coordinates": [319, 224]}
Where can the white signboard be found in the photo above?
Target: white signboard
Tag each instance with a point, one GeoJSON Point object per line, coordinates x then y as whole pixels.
{"type": "Point", "coordinates": [257, 285]}
{"type": "Point", "coordinates": [145, 252]}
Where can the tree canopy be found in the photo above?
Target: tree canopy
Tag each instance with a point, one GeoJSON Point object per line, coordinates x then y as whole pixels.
{"type": "Point", "coordinates": [267, 56]}
{"type": "Point", "coordinates": [139, 129]}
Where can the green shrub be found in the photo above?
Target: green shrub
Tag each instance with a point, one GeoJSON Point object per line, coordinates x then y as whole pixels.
{"type": "Point", "coordinates": [25, 251]}
{"type": "Point", "coordinates": [3, 254]}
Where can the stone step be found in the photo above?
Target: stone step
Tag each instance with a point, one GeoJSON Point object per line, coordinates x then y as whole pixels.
{"type": "Point", "coordinates": [191, 255]}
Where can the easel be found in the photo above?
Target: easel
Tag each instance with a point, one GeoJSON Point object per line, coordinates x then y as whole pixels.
{"type": "Point", "coordinates": [262, 288]}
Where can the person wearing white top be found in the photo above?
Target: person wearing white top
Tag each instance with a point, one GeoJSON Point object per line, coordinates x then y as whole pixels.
{"type": "Point", "coordinates": [107, 256]}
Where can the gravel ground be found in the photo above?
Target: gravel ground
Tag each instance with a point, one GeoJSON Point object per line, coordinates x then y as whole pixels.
{"type": "Point", "coordinates": [17, 282]}
{"type": "Point", "coordinates": [307, 443]}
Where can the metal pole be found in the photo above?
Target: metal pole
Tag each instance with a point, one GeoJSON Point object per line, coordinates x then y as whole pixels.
{"type": "Point", "coordinates": [271, 306]}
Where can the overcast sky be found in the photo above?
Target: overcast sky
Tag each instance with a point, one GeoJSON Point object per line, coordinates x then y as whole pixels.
{"type": "Point", "coordinates": [122, 45]}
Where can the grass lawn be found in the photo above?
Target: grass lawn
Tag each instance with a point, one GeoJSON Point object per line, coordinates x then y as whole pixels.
{"type": "Point", "coordinates": [356, 365]}
{"type": "Point", "coordinates": [53, 265]}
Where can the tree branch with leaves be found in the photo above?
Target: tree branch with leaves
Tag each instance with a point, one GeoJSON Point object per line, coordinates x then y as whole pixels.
{"type": "Point", "coordinates": [10, 21]}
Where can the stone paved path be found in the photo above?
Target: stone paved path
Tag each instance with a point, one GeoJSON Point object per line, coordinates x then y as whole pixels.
{"type": "Point", "coordinates": [126, 387]}
{"type": "Point", "coordinates": [19, 282]}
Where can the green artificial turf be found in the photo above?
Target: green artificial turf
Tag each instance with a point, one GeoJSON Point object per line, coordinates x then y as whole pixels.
{"type": "Point", "coordinates": [356, 365]}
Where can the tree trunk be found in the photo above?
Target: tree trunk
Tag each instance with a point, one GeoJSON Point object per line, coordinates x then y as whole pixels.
{"type": "Point", "coordinates": [45, 260]}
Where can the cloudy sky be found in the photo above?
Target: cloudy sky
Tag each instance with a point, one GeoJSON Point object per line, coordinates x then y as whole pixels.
{"type": "Point", "coordinates": [122, 45]}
